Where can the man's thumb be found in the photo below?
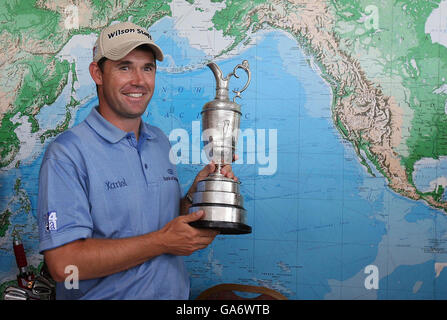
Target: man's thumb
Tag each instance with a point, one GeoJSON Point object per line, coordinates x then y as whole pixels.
{"type": "Point", "coordinates": [194, 216]}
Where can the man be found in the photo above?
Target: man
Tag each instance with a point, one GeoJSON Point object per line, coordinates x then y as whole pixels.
{"type": "Point", "coordinates": [109, 201]}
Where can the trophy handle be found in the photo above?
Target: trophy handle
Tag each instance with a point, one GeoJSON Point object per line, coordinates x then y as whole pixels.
{"type": "Point", "coordinates": [244, 65]}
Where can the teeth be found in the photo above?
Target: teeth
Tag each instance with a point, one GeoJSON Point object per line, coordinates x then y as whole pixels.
{"type": "Point", "coordinates": [134, 95]}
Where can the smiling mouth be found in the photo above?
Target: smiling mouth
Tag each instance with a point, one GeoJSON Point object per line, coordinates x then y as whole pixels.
{"type": "Point", "coordinates": [134, 95]}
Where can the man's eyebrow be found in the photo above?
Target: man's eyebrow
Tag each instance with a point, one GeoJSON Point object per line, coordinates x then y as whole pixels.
{"type": "Point", "coordinates": [127, 63]}
{"type": "Point", "coordinates": [124, 63]}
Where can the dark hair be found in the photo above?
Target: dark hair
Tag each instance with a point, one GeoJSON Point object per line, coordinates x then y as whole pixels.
{"type": "Point", "coordinates": [101, 63]}
{"type": "Point", "coordinates": [146, 47]}
{"type": "Point", "coordinates": [101, 67]}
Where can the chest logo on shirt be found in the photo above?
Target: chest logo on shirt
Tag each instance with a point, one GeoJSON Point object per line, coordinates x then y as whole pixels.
{"type": "Point", "coordinates": [172, 177]}
{"type": "Point", "coordinates": [111, 185]}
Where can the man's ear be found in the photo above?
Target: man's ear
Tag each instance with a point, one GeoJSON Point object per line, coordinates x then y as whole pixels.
{"type": "Point", "coordinates": [95, 73]}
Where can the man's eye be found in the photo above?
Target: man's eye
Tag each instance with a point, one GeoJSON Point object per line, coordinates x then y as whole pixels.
{"type": "Point", "coordinates": [148, 68]}
{"type": "Point", "coordinates": [124, 68]}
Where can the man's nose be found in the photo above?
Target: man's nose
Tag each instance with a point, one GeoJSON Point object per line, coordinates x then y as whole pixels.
{"type": "Point", "coordinates": [137, 78]}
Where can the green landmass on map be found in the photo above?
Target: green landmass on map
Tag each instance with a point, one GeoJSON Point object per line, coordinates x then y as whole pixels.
{"type": "Point", "coordinates": [38, 30]}
{"type": "Point", "coordinates": [4, 222]}
{"type": "Point", "coordinates": [402, 58]}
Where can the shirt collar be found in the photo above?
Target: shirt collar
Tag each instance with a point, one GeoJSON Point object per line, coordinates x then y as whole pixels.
{"type": "Point", "coordinates": [112, 133]}
{"type": "Point", "coordinates": [146, 131]}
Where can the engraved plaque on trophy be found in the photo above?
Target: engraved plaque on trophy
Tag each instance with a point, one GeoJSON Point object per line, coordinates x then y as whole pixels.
{"type": "Point", "coordinates": [219, 197]}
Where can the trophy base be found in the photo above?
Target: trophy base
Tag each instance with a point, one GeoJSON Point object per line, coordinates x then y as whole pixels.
{"type": "Point", "coordinates": [222, 204]}
{"type": "Point", "coordinates": [222, 226]}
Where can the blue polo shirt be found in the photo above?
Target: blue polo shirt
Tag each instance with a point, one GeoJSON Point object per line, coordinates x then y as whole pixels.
{"type": "Point", "coordinates": [97, 181]}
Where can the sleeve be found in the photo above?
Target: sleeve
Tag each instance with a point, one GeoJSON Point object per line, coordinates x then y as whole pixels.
{"type": "Point", "coordinates": [63, 209]}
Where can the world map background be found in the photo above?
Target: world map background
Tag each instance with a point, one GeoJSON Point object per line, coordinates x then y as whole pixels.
{"type": "Point", "coordinates": [354, 90]}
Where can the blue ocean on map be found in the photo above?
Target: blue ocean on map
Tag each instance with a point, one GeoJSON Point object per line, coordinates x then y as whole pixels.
{"type": "Point", "coordinates": [427, 172]}
{"type": "Point", "coordinates": [321, 218]}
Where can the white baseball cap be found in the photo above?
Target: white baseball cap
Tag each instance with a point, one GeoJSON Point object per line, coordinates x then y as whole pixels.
{"type": "Point", "coordinates": [117, 40]}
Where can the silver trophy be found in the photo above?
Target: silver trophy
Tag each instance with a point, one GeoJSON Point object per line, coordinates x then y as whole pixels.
{"type": "Point", "coordinates": [217, 195]}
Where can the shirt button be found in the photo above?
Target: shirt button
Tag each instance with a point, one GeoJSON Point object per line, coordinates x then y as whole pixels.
{"type": "Point", "coordinates": [145, 165]}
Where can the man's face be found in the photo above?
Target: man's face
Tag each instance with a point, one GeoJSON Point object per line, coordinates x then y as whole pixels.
{"type": "Point", "coordinates": [128, 84]}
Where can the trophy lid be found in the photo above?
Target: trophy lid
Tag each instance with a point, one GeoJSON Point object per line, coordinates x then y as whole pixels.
{"type": "Point", "coordinates": [222, 101]}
